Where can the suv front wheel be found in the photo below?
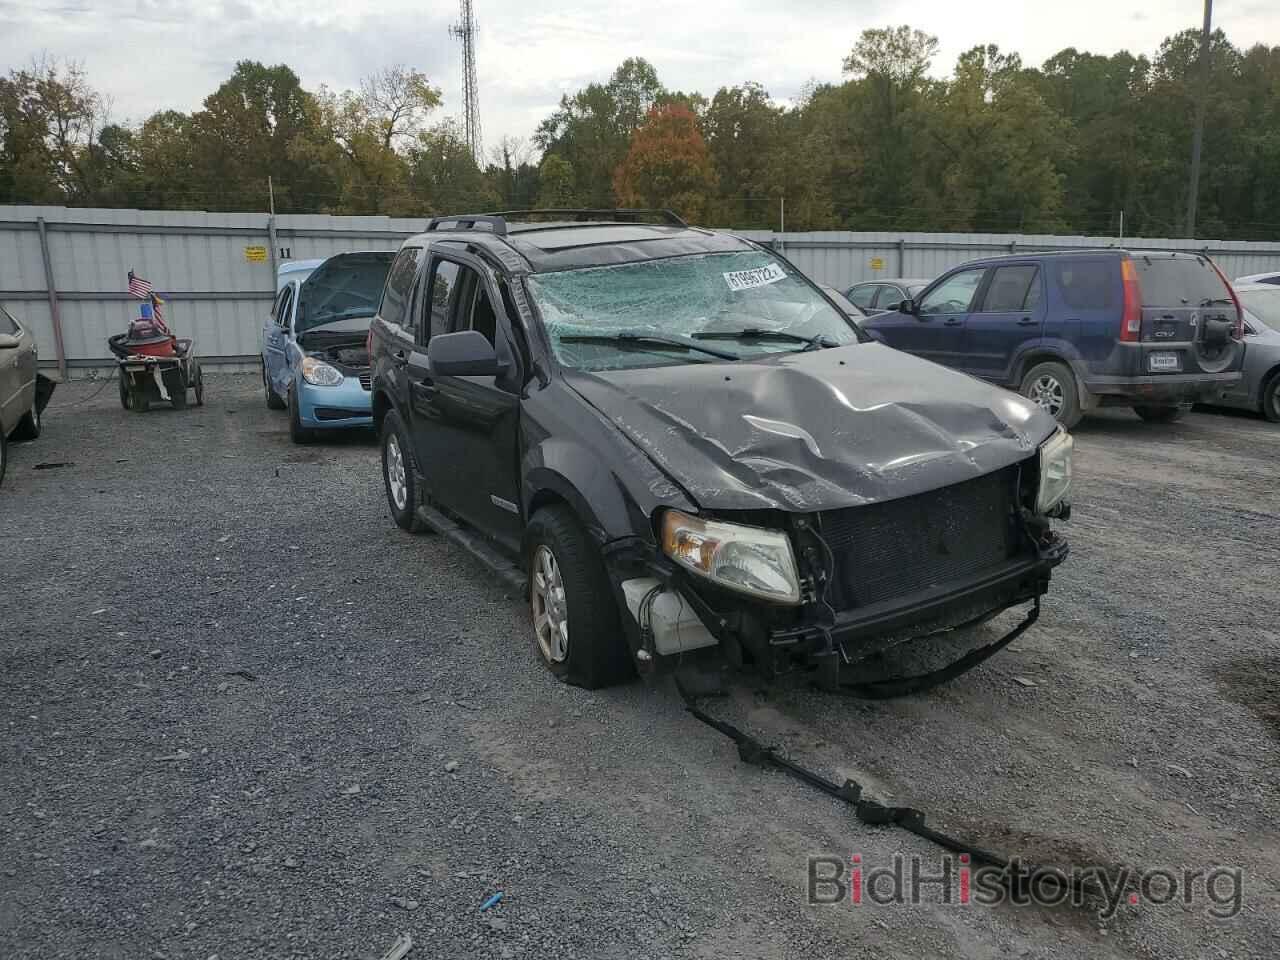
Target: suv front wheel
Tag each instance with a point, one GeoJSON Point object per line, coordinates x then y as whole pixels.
{"type": "Point", "coordinates": [575, 619]}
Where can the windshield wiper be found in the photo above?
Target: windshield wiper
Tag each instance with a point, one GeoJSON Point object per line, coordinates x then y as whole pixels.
{"type": "Point", "coordinates": [821, 341]}
{"type": "Point", "coordinates": [644, 339]}
{"type": "Point", "coordinates": [1210, 301]}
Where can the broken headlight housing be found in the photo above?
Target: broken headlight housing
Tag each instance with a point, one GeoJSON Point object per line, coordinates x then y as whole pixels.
{"type": "Point", "coordinates": [1055, 471]}
{"type": "Point", "coordinates": [320, 374]}
{"type": "Point", "coordinates": [746, 559]}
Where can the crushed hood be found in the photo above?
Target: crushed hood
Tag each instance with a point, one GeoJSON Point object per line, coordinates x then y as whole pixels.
{"type": "Point", "coordinates": [816, 430]}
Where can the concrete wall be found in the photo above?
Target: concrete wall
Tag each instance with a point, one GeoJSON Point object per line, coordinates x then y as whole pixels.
{"type": "Point", "coordinates": [216, 293]}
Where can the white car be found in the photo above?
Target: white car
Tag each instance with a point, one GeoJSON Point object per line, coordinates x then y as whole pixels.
{"type": "Point", "coordinates": [1260, 278]}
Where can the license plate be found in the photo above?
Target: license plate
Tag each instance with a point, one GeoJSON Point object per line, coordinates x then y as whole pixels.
{"type": "Point", "coordinates": [1164, 361]}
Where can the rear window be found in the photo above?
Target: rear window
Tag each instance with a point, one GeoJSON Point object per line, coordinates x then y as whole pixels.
{"type": "Point", "coordinates": [1179, 282]}
{"type": "Point", "coordinates": [1088, 284]}
{"type": "Point", "coordinates": [1265, 305]}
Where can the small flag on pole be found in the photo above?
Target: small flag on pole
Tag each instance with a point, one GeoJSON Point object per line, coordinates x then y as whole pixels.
{"type": "Point", "coordinates": [138, 287]}
{"type": "Point", "coordinates": [156, 303]}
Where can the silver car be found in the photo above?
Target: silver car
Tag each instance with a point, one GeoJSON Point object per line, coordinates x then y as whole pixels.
{"type": "Point", "coordinates": [1259, 388]}
{"type": "Point", "coordinates": [20, 401]}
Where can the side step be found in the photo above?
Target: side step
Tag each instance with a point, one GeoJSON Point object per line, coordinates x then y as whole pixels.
{"type": "Point", "coordinates": [511, 576]}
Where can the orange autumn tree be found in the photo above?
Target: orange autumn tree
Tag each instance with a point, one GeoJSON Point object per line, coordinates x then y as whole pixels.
{"type": "Point", "coordinates": [668, 164]}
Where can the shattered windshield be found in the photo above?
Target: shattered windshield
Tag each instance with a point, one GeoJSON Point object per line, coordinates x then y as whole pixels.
{"type": "Point", "coordinates": [694, 309]}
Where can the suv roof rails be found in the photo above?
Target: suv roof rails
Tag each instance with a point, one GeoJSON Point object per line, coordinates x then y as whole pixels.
{"type": "Point", "coordinates": [497, 222]}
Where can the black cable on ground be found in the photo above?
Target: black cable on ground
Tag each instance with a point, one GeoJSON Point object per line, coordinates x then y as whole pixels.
{"type": "Point", "coordinates": [871, 812]}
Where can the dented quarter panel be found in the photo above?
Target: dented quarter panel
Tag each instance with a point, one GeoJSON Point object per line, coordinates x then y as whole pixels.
{"type": "Point", "coordinates": [816, 430]}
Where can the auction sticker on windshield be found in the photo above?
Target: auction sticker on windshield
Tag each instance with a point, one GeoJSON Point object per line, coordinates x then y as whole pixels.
{"type": "Point", "coordinates": [758, 277]}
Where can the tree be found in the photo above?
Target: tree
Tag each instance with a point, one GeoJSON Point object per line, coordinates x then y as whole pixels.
{"type": "Point", "coordinates": [668, 164]}
{"type": "Point", "coordinates": [743, 131]}
{"type": "Point", "coordinates": [555, 183]}
{"type": "Point", "coordinates": [373, 128]}
{"type": "Point", "coordinates": [443, 173]}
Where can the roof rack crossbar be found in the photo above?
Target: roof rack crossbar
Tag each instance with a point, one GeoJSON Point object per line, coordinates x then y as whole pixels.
{"type": "Point", "coordinates": [495, 221]}
{"type": "Point", "coordinates": [616, 214]}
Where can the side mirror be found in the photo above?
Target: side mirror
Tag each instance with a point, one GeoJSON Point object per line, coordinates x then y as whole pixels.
{"type": "Point", "coordinates": [8, 341]}
{"type": "Point", "coordinates": [463, 354]}
{"type": "Point", "coordinates": [909, 306]}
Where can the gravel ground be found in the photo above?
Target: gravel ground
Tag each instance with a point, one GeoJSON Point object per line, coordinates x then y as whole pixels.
{"type": "Point", "coordinates": [245, 716]}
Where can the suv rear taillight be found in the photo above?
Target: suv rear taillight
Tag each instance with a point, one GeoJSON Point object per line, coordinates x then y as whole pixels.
{"type": "Point", "coordinates": [1239, 329]}
{"type": "Point", "coordinates": [1131, 316]}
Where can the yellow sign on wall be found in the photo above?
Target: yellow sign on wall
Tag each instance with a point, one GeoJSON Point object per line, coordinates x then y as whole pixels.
{"type": "Point", "coordinates": [255, 254]}
{"type": "Point", "coordinates": [877, 263]}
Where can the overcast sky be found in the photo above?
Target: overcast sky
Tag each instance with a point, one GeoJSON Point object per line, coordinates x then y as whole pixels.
{"type": "Point", "coordinates": [158, 54]}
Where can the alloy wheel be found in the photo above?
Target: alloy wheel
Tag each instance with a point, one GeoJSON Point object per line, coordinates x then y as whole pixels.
{"type": "Point", "coordinates": [550, 610]}
{"type": "Point", "coordinates": [1047, 392]}
{"type": "Point", "coordinates": [395, 473]}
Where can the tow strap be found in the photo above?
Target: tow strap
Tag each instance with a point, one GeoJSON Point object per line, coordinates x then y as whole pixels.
{"type": "Point", "coordinates": [871, 812]}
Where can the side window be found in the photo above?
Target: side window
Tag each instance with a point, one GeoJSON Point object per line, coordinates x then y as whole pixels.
{"type": "Point", "coordinates": [954, 294]}
{"type": "Point", "coordinates": [889, 297]}
{"type": "Point", "coordinates": [395, 295]}
{"type": "Point", "coordinates": [444, 281]}
{"type": "Point", "coordinates": [1088, 284]}
{"type": "Point", "coordinates": [862, 296]}
{"type": "Point", "coordinates": [1009, 288]}
{"type": "Point", "coordinates": [286, 307]}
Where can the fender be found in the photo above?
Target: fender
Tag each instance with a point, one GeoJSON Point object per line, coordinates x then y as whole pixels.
{"type": "Point", "coordinates": [1055, 349]}
{"type": "Point", "coordinates": [605, 503]}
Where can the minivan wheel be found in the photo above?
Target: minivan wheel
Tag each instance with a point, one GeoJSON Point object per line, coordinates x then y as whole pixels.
{"type": "Point", "coordinates": [399, 475]}
{"type": "Point", "coordinates": [575, 618]}
{"type": "Point", "coordinates": [1271, 399]}
{"type": "Point", "coordinates": [1159, 413]}
{"type": "Point", "coordinates": [1053, 388]}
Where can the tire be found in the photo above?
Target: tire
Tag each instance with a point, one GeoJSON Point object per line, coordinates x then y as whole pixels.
{"type": "Point", "coordinates": [177, 387]}
{"type": "Point", "coordinates": [1271, 399]}
{"type": "Point", "coordinates": [1161, 413]}
{"type": "Point", "coordinates": [297, 432]}
{"type": "Point", "coordinates": [4, 455]}
{"type": "Point", "coordinates": [126, 393]}
{"type": "Point", "coordinates": [1052, 386]}
{"type": "Point", "coordinates": [28, 427]}
{"type": "Point", "coordinates": [273, 399]}
{"type": "Point", "coordinates": [400, 474]}
{"type": "Point", "coordinates": [199, 387]}
{"type": "Point", "coordinates": [576, 628]}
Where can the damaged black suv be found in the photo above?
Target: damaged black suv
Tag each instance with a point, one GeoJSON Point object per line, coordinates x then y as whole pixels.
{"type": "Point", "coordinates": [674, 441]}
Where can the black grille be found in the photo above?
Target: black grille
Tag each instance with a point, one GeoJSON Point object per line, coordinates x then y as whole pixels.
{"type": "Point", "coordinates": [339, 413]}
{"type": "Point", "coordinates": [366, 381]}
{"type": "Point", "coordinates": [888, 550]}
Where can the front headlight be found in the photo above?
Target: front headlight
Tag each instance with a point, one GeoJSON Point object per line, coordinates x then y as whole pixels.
{"type": "Point", "coordinates": [1055, 470]}
{"type": "Point", "coordinates": [746, 559]}
{"type": "Point", "coordinates": [319, 373]}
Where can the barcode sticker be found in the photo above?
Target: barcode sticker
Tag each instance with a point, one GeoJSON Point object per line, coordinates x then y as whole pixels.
{"type": "Point", "coordinates": [758, 277]}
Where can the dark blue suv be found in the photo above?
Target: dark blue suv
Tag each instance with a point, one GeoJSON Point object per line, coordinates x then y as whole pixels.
{"type": "Point", "coordinates": [1073, 331]}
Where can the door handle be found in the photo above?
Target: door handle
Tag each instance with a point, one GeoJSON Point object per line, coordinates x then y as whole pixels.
{"type": "Point", "coordinates": [1026, 322]}
{"type": "Point", "coordinates": [953, 322]}
{"type": "Point", "coordinates": [425, 391]}
{"type": "Point", "coordinates": [399, 356]}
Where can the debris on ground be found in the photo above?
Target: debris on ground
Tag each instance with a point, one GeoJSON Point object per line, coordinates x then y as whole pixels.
{"type": "Point", "coordinates": [493, 901]}
{"type": "Point", "coordinates": [403, 944]}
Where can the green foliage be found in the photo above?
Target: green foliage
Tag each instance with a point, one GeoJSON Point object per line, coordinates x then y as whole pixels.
{"type": "Point", "coordinates": [994, 146]}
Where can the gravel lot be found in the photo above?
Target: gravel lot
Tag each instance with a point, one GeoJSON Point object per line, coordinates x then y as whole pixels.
{"type": "Point", "coordinates": [245, 716]}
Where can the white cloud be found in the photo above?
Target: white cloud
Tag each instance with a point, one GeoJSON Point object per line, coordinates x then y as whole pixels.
{"type": "Point", "coordinates": [158, 54]}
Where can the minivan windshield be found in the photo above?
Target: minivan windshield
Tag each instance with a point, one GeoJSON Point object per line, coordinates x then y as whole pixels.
{"type": "Point", "coordinates": [691, 309]}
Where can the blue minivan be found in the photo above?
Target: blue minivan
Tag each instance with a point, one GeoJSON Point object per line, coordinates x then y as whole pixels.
{"type": "Point", "coordinates": [315, 357]}
{"type": "Point", "coordinates": [1157, 331]}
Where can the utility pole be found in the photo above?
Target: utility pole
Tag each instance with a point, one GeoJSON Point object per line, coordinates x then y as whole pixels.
{"type": "Point", "coordinates": [465, 31]}
{"type": "Point", "coordinates": [1197, 137]}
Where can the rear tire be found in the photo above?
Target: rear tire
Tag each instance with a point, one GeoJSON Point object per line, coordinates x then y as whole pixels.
{"type": "Point", "coordinates": [126, 392]}
{"type": "Point", "coordinates": [4, 455]}
{"type": "Point", "coordinates": [297, 432]}
{"type": "Point", "coordinates": [199, 387]}
{"type": "Point", "coordinates": [273, 399]}
{"type": "Point", "coordinates": [177, 387]}
{"type": "Point", "coordinates": [1160, 413]}
{"type": "Point", "coordinates": [1052, 386]}
{"type": "Point", "coordinates": [576, 627]}
{"type": "Point", "coordinates": [28, 427]}
{"type": "Point", "coordinates": [1271, 398]}
{"type": "Point", "coordinates": [400, 474]}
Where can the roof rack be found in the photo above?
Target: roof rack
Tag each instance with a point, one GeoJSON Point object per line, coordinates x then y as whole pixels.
{"type": "Point", "coordinates": [497, 225]}
{"type": "Point", "coordinates": [497, 222]}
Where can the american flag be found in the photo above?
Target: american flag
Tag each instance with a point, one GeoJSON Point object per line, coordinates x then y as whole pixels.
{"type": "Point", "coordinates": [159, 314]}
{"type": "Point", "coordinates": [138, 287]}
